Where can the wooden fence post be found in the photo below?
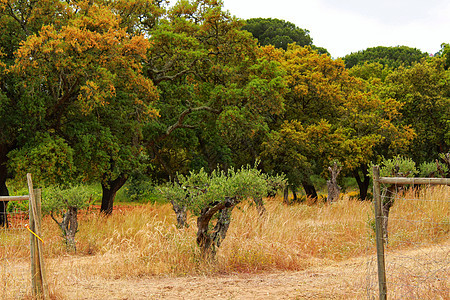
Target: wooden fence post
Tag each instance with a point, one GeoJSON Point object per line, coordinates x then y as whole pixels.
{"type": "Point", "coordinates": [38, 278]}
{"type": "Point", "coordinates": [379, 233]}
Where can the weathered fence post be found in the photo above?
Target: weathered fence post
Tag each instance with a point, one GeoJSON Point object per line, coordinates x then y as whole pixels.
{"type": "Point", "coordinates": [38, 278]}
{"type": "Point", "coordinates": [379, 233]}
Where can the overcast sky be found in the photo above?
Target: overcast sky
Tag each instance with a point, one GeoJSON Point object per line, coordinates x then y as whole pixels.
{"type": "Point", "coordinates": [345, 26]}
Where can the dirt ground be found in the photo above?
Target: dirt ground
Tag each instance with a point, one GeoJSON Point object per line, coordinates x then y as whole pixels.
{"type": "Point", "coordinates": [351, 279]}
{"type": "Point", "coordinates": [426, 271]}
{"type": "Point", "coordinates": [340, 281]}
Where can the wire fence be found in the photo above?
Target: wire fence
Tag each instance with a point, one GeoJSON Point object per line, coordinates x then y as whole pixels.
{"type": "Point", "coordinates": [414, 233]}
{"type": "Point", "coordinates": [15, 279]}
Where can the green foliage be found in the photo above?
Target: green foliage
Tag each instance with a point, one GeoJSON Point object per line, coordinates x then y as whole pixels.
{"type": "Point", "coordinates": [139, 188]}
{"type": "Point", "coordinates": [398, 166]}
{"type": "Point", "coordinates": [278, 33]}
{"type": "Point", "coordinates": [57, 200]}
{"type": "Point", "coordinates": [74, 90]}
{"type": "Point", "coordinates": [331, 115]}
{"type": "Point", "coordinates": [286, 151]}
{"type": "Point", "coordinates": [392, 57]}
{"type": "Point", "coordinates": [428, 169]}
{"type": "Point", "coordinates": [198, 190]}
{"type": "Point", "coordinates": [49, 158]}
{"type": "Point", "coordinates": [437, 168]}
{"type": "Point", "coordinates": [219, 90]}
{"type": "Point", "coordinates": [372, 72]}
{"type": "Point", "coordinates": [424, 94]}
{"type": "Point", "coordinates": [445, 52]}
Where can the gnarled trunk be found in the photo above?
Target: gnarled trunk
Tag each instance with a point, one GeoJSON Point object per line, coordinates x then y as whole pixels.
{"type": "Point", "coordinates": [333, 188]}
{"type": "Point", "coordinates": [181, 213]}
{"type": "Point", "coordinates": [208, 241]}
{"type": "Point", "coordinates": [109, 190]}
{"type": "Point", "coordinates": [222, 225]}
{"type": "Point", "coordinates": [388, 200]}
{"type": "Point", "coordinates": [260, 206]}
{"type": "Point", "coordinates": [69, 226]}
{"type": "Point", "coordinates": [363, 183]}
{"type": "Point", "coordinates": [310, 190]}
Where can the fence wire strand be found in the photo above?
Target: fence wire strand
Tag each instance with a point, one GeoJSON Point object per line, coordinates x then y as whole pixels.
{"type": "Point", "coordinates": [417, 252]}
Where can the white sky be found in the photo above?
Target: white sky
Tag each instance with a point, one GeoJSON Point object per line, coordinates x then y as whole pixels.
{"type": "Point", "coordinates": [345, 26]}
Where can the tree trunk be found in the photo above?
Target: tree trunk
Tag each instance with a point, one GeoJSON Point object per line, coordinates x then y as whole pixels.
{"type": "Point", "coordinates": [286, 195]}
{"type": "Point", "coordinates": [310, 190]}
{"type": "Point", "coordinates": [3, 188]}
{"type": "Point", "coordinates": [181, 213]}
{"type": "Point", "coordinates": [259, 206]}
{"type": "Point", "coordinates": [203, 238]}
{"type": "Point", "coordinates": [333, 188]}
{"type": "Point", "coordinates": [221, 228]}
{"type": "Point", "coordinates": [69, 227]}
{"type": "Point", "coordinates": [363, 183]}
{"type": "Point", "coordinates": [388, 201]}
{"type": "Point", "coordinates": [294, 194]}
{"type": "Point", "coordinates": [209, 241]}
{"type": "Point", "coordinates": [109, 190]}
{"type": "Point", "coordinates": [3, 214]}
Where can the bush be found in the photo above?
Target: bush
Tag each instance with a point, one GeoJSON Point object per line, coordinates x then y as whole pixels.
{"type": "Point", "coordinates": [140, 188]}
{"type": "Point", "coordinates": [66, 203]}
{"type": "Point", "coordinates": [398, 166]}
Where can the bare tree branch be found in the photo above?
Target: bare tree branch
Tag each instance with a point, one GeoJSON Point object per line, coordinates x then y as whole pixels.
{"type": "Point", "coordinates": [179, 123]}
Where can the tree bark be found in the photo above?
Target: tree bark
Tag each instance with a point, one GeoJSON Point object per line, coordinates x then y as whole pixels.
{"type": "Point", "coordinates": [221, 228]}
{"type": "Point", "coordinates": [333, 188]}
{"type": "Point", "coordinates": [363, 183]}
{"type": "Point", "coordinates": [259, 206]}
{"type": "Point", "coordinates": [286, 195]}
{"type": "Point", "coordinates": [388, 200]}
{"type": "Point", "coordinates": [181, 213]}
{"type": "Point", "coordinates": [109, 190]}
{"type": "Point", "coordinates": [3, 189]}
{"type": "Point", "coordinates": [69, 226]}
{"type": "Point", "coordinates": [206, 240]}
{"type": "Point", "coordinates": [310, 190]}
{"type": "Point", "coordinates": [294, 194]}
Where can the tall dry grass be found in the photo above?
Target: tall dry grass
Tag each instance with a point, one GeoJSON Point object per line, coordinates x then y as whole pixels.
{"type": "Point", "coordinates": [420, 216]}
{"type": "Point", "coordinates": [144, 241]}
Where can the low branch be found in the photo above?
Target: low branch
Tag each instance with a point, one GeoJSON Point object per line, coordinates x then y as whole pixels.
{"type": "Point", "coordinates": [159, 79]}
{"type": "Point", "coordinates": [179, 123]}
{"type": "Point", "coordinates": [168, 68]}
{"type": "Point", "coordinates": [54, 219]}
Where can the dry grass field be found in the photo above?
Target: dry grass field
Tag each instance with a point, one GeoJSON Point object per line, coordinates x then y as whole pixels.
{"type": "Point", "coordinates": [301, 251]}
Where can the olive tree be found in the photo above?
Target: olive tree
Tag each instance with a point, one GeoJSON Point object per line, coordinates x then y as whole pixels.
{"type": "Point", "coordinates": [66, 203]}
{"type": "Point", "coordinates": [212, 197]}
{"type": "Point", "coordinates": [438, 168]}
{"type": "Point", "coordinates": [396, 167]}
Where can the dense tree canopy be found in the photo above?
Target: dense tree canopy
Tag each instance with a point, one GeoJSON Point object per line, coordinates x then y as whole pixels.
{"type": "Point", "coordinates": [280, 33]}
{"type": "Point", "coordinates": [74, 91]}
{"type": "Point", "coordinates": [276, 32]}
{"type": "Point", "coordinates": [217, 89]}
{"type": "Point", "coordinates": [393, 57]}
{"type": "Point", "coordinates": [98, 90]}
{"type": "Point", "coordinates": [424, 93]}
{"type": "Point", "coordinates": [330, 116]}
